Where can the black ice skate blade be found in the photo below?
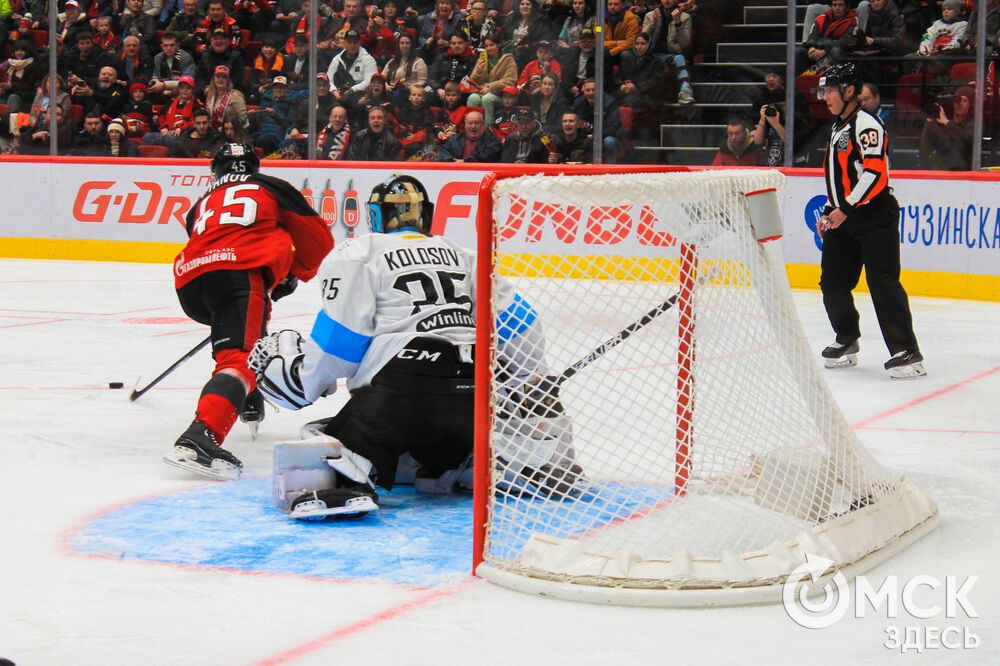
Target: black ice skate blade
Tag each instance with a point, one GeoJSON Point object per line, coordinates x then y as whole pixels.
{"type": "Point", "coordinates": [223, 471]}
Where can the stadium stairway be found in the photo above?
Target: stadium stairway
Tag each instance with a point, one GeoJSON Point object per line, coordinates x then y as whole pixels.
{"type": "Point", "coordinates": [743, 56]}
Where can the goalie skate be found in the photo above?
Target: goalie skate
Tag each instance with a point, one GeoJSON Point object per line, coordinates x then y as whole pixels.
{"type": "Point", "coordinates": [336, 502]}
{"type": "Point", "coordinates": [906, 365]}
{"type": "Point", "coordinates": [841, 356]}
{"type": "Point", "coordinates": [197, 451]}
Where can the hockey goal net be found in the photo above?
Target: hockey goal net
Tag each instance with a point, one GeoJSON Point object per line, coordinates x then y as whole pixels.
{"type": "Point", "coordinates": [652, 426]}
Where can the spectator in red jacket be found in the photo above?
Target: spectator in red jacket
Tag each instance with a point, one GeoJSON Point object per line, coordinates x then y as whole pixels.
{"type": "Point", "coordinates": [175, 118]}
{"type": "Point", "coordinates": [531, 75]}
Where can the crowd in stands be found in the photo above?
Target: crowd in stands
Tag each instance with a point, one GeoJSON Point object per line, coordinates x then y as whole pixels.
{"type": "Point", "coordinates": [893, 42]}
{"type": "Point", "coordinates": [450, 80]}
{"type": "Point", "coordinates": [443, 80]}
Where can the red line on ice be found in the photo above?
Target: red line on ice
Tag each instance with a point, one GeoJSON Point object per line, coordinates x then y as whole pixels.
{"type": "Point", "coordinates": [365, 623]}
{"type": "Point", "coordinates": [930, 396]}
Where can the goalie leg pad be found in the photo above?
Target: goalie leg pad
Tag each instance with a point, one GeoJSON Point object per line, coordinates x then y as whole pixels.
{"type": "Point", "coordinates": [311, 467]}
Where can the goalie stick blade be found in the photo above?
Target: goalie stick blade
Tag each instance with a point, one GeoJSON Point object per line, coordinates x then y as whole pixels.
{"type": "Point", "coordinates": [220, 470]}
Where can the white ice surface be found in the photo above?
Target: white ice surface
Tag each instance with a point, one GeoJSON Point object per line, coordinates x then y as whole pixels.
{"type": "Point", "coordinates": [72, 448]}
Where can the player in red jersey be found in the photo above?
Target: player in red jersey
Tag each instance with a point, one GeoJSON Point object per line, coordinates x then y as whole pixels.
{"type": "Point", "coordinates": [252, 237]}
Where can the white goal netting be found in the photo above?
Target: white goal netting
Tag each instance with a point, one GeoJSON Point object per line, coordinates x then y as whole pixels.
{"type": "Point", "coordinates": [659, 430]}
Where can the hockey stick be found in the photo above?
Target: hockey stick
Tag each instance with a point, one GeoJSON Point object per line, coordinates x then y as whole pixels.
{"type": "Point", "coordinates": [624, 334]}
{"type": "Point", "coordinates": [136, 392]}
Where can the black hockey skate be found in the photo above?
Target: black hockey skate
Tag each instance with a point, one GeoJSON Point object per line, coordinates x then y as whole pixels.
{"type": "Point", "coordinates": [348, 500]}
{"type": "Point", "coordinates": [841, 355]}
{"type": "Point", "coordinates": [906, 365]}
{"type": "Point", "coordinates": [196, 450]}
{"type": "Point", "coordinates": [252, 412]}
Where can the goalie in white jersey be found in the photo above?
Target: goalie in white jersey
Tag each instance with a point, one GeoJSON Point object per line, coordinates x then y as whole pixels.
{"type": "Point", "coordinates": [397, 321]}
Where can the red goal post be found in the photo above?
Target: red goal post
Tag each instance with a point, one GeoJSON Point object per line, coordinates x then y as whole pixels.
{"type": "Point", "coordinates": [710, 456]}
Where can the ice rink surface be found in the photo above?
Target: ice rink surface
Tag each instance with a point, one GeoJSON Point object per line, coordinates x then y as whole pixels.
{"type": "Point", "coordinates": [108, 556]}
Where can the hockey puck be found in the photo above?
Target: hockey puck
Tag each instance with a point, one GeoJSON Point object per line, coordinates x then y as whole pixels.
{"type": "Point", "coordinates": [116, 385]}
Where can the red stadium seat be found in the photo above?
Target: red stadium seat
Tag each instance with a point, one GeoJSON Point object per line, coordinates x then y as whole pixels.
{"type": "Point", "coordinates": [963, 70]}
{"type": "Point", "coordinates": [808, 85]}
{"type": "Point", "coordinates": [76, 114]}
{"type": "Point", "coordinates": [250, 52]}
{"type": "Point", "coordinates": [153, 151]}
{"type": "Point", "coordinates": [625, 113]}
{"type": "Point", "coordinates": [41, 38]}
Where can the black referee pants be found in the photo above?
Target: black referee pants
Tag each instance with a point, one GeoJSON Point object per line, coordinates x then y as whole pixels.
{"type": "Point", "coordinates": [869, 239]}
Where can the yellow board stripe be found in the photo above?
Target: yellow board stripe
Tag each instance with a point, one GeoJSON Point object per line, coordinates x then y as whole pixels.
{"type": "Point", "coordinates": [138, 252]}
{"type": "Point", "coordinates": [800, 276]}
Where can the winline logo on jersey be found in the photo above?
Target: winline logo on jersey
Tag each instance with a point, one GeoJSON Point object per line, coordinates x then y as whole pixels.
{"type": "Point", "coordinates": [915, 595]}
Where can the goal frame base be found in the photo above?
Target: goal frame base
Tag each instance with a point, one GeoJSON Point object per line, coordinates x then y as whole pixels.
{"type": "Point", "coordinates": [766, 591]}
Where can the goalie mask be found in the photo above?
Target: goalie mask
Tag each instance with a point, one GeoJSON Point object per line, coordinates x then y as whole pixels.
{"type": "Point", "coordinates": [236, 158]}
{"type": "Point", "coordinates": [400, 202]}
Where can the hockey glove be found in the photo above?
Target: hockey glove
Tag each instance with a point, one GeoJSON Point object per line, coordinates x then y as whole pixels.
{"type": "Point", "coordinates": [276, 360]}
{"type": "Point", "coordinates": [284, 288]}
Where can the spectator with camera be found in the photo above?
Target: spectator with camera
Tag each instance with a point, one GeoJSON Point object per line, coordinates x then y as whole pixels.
{"type": "Point", "coordinates": [946, 143]}
{"type": "Point", "coordinates": [378, 39]}
{"type": "Point", "coordinates": [176, 117]}
{"type": "Point", "coordinates": [82, 65]}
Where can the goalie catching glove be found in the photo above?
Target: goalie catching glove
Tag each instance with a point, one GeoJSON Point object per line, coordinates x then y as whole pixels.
{"type": "Point", "coordinates": [276, 359]}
